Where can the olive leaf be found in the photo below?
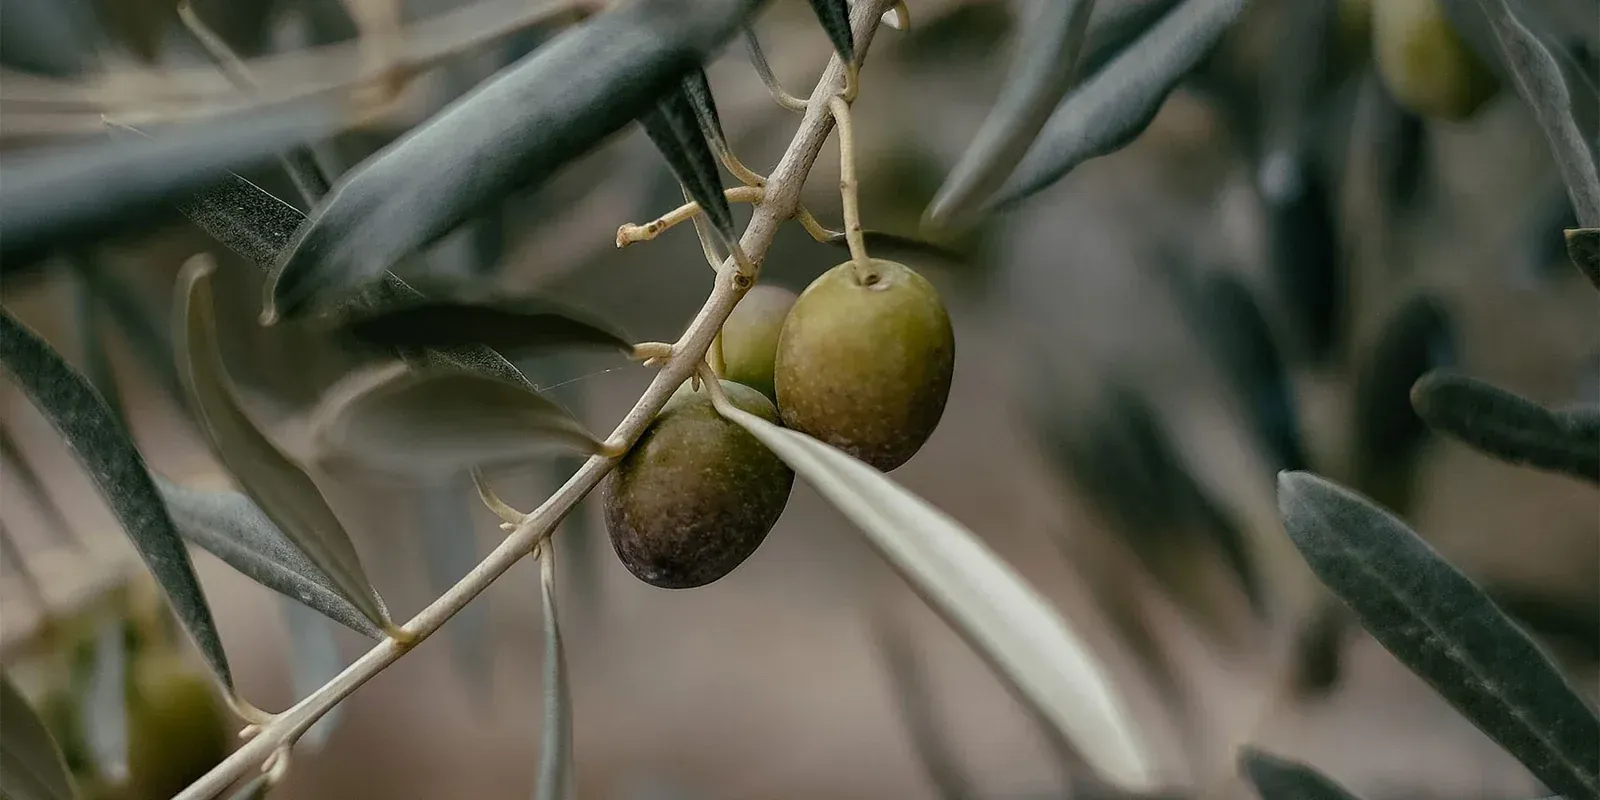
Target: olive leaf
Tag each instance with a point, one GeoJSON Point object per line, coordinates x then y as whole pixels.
{"type": "Point", "coordinates": [1388, 435]}
{"type": "Point", "coordinates": [31, 765]}
{"type": "Point", "coordinates": [1281, 779]}
{"type": "Point", "coordinates": [100, 443]}
{"type": "Point", "coordinates": [1116, 25]}
{"type": "Point", "coordinates": [104, 713]}
{"type": "Point", "coordinates": [313, 662]}
{"type": "Point", "coordinates": [555, 755]}
{"type": "Point", "coordinates": [1511, 428]}
{"type": "Point", "coordinates": [1004, 618]}
{"type": "Point", "coordinates": [68, 194]}
{"type": "Point", "coordinates": [231, 527]}
{"type": "Point", "coordinates": [1046, 67]}
{"type": "Point", "coordinates": [511, 132]}
{"type": "Point", "coordinates": [437, 422]}
{"type": "Point", "coordinates": [1539, 80]}
{"type": "Point", "coordinates": [1583, 247]}
{"type": "Point", "coordinates": [1248, 352]}
{"type": "Point", "coordinates": [46, 37]}
{"type": "Point", "coordinates": [697, 87]}
{"type": "Point", "coordinates": [282, 490]}
{"type": "Point", "coordinates": [1303, 247]}
{"type": "Point", "coordinates": [1446, 630]}
{"type": "Point", "coordinates": [834, 15]}
{"type": "Point", "coordinates": [520, 326]}
{"type": "Point", "coordinates": [677, 131]}
{"type": "Point", "coordinates": [1112, 107]}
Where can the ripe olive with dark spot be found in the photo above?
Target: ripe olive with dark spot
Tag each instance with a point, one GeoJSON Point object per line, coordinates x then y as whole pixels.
{"type": "Point", "coordinates": [750, 337]}
{"type": "Point", "coordinates": [697, 494]}
{"type": "Point", "coordinates": [865, 361]}
{"type": "Point", "coordinates": [177, 727]}
{"type": "Point", "coordinates": [1424, 63]}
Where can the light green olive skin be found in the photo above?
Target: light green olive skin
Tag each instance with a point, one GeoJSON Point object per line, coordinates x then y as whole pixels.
{"type": "Point", "coordinates": [866, 367]}
{"type": "Point", "coordinates": [1424, 63]}
{"type": "Point", "coordinates": [750, 337]}
{"type": "Point", "coordinates": [697, 494]}
{"type": "Point", "coordinates": [177, 728]}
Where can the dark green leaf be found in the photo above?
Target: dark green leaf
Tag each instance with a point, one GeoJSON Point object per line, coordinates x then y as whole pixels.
{"type": "Point", "coordinates": [283, 491]}
{"type": "Point", "coordinates": [835, 18]}
{"type": "Point", "coordinates": [1113, 106]}
{"type": "Point", "coordinates": [31, 766]}
{"type": "Point", "coordinates": [515, 325]}
{"type": "Point", "coordinates": [1583, 247]}
{"type": "Point", "coordinates": [1116, 25]}
{"type": "Point", "coordinates": [66, 195]}
{"type": "Point", "coordinates": [1388, 435]}
{"type": "Point", "coordinates": [229, 526]}
{"type": "Point", "coordinates": [47, 37]}
{"type": "Point", "coordinates": [1281, 779]}
{"type": "Point", "coordinates": [97, 439]}
{"type": "Point", "coordinates": [675, 129]}
{"type": "Point", "coordinates": [1249, 354]}
{"type": "Point", "coordinates": [1046, 67]}
{"type": "Point", "coordinates": [440, 422]}
{"type": "Point", "coordinates": [313, 662]}
{"type": "Point", "coordinates": [1509, 427]}
{"type": "Point", "coordinates": [1446, 630]}
{"type": "Point", "coordinates": [698, 89]}
{"type": "Point", "coordinates": [512, 132]}
{"type": "Point", "coordinates": [1539, 80]}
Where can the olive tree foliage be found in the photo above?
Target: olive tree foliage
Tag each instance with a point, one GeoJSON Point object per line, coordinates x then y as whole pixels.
{"type": "Point", "coordinates": [443, 396]}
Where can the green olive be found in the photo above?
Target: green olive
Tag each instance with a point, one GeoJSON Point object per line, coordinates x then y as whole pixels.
{"type": "Point", "coordinates": [1424, 63]}
{"type": "Point", "coordinates": [697, 494]}
{"type": "Point", "coordinates": [865, 361]}
{"type": "Point", "coordinates": [177, 728]}
{"type": "Point", "coordinates": [750, 337]}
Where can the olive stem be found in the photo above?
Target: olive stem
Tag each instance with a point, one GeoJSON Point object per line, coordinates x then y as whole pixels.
{"type": "Point", "coordinates": [758, 58]}
{"type": "Point", "coordinates": [865, 273]}
{"type": "Point", "coordinates": [630, 233]}
{"type": "Point", "coordinates": [781, 199]}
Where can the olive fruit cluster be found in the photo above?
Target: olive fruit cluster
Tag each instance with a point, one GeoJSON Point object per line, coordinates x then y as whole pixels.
{"type": "Point", "coordinates": [1424, 63]}
{"type": "Point", "coordinates": [861, 360]}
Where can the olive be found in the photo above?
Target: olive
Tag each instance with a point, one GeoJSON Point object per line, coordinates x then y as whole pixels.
{"type": "Point", "coordinates": [697, 494]}
{"type": "Point", "coordinates": [865, 360]}
{"type": "Point", "coordinates": [177, 728]}
{"type": "Point", "coordinates": [1424, 63]}
{"type": "Point", "coordinates": [750, 337]}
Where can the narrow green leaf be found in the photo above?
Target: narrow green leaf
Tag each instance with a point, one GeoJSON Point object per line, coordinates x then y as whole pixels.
{"type": "Point", "coordinates": [1540, 82]}
{"type": "Point", "coordinates": [1248, 352]}
{"type": "Point", "coordinates": [697, 87]}
{"type": "Point", "coordinates": [834, 15]}
{"type": "Point", "coordinates": [100, 443]}
{"type": "Point", "coordinates": [434, 423]}
{"type": "Point", "coordinates": [1509, 427]}
{"type": "Point", "coordinates": [1281, 779]}
{"type": "Point", "coordinates": [521, 326]}
{"type": "Point", "coordinates": [105, 707]}
{"type": "Point", "coordinates": [313, 662]}
{"type": "Point", "coordinates": [231, 527]}
{"type": "Point", "coordinates": [1005, 619]}
{"type": "Point", "coordinates": [1583, 247]}
{"type": "Point", "coordinates": [65, 195]}
{"type": "Point", "coordinates": [283, 491]}
{"type": "Point", "coordinates": [1046, 67]}
{"type": "Point", "coordinates": [1113, 106]}
{"type": "Point", "coordinates": [555, 754]}
{"type": "Point", "coordinates": [675, 129]}
{"type": "Point", "coordinates": [1116, 25]}
{"type": "Point", "coordinates": [1388, 434]}
{"type": "Point", "coordinates": [31, 766]}
{"type": "Point", "coordinates": [1446, 630]}
{"type": "Point", "coordinates": [511, 132]}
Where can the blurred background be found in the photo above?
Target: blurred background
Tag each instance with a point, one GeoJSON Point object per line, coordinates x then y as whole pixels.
{"type": "Point", "coordinates": [1141, 348]}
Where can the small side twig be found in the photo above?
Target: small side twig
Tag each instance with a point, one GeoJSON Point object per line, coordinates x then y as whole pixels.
{"type": "Point", "coordinates": [758, 58]}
